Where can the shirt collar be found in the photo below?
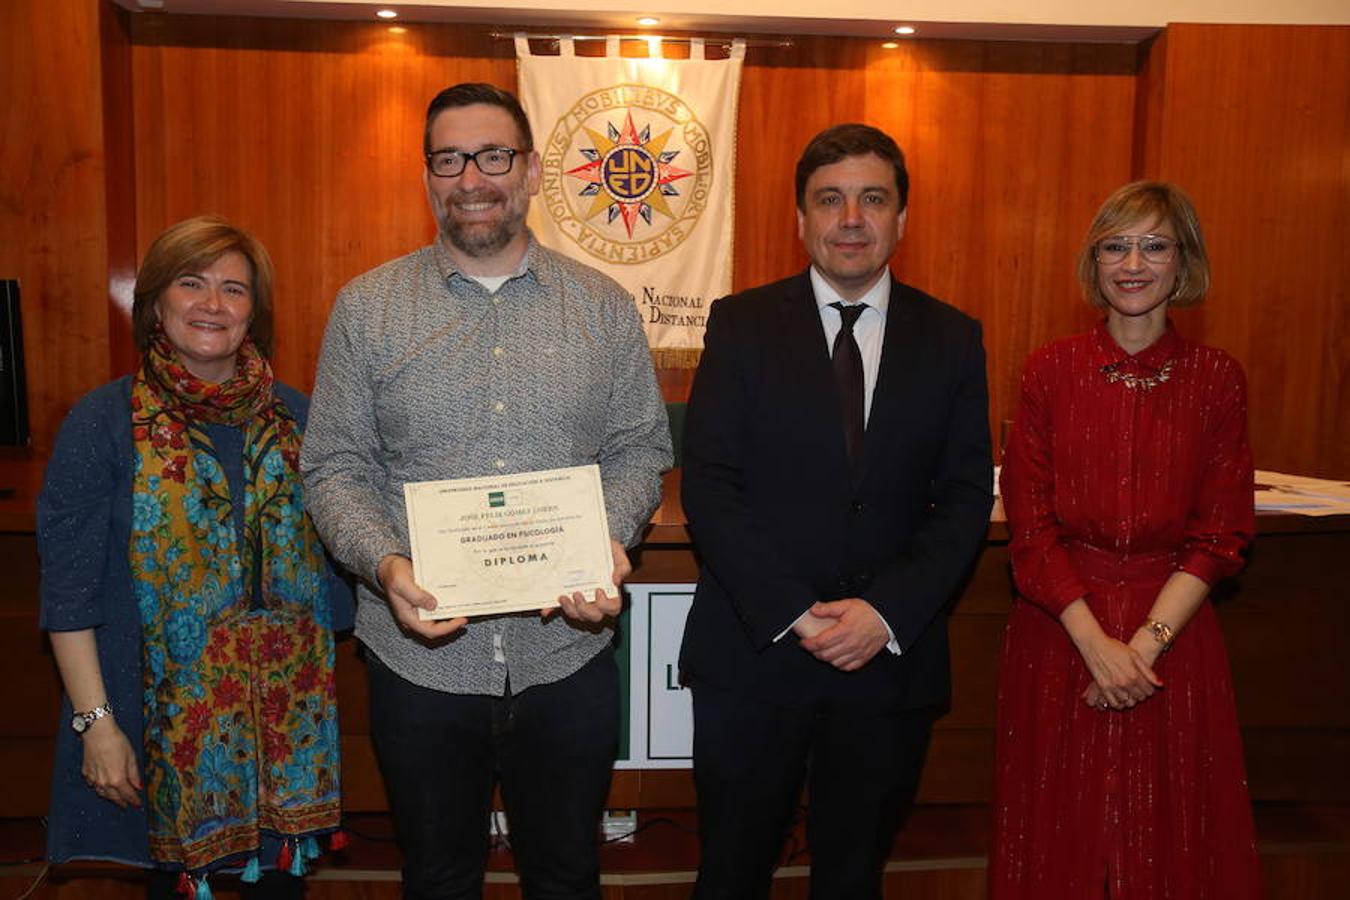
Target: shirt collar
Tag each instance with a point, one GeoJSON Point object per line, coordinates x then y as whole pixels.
{"type": "Point", "coordinates": [878, 296]}
{"type": "Point", "coordinates": [1151, 358]}
{"type": "Point", "coordinates": [534, 262]}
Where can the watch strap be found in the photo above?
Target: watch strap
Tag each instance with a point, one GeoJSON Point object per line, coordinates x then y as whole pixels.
{"type": "Point", "coordinates": [92, 716]}
{"type": "Point", "coordinates": [1161, 631]}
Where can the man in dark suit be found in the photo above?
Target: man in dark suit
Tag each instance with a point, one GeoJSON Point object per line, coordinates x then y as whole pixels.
{"type": "Point", "coordinates": [837, 480]}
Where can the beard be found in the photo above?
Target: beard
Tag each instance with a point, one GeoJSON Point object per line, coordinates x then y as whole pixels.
{"type": "Point", "coordinates": [480, 239]}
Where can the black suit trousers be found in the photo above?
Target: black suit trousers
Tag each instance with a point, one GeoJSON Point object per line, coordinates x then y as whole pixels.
{"type": "Point", "coordinates": [751, 759]}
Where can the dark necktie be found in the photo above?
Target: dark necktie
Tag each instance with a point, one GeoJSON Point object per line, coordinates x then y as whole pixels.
{"type": "Point", "coordinates": [848, 372]}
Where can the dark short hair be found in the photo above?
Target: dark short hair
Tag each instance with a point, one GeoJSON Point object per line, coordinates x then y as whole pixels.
{"type": "Point", "coordinates": [469, 94]}
{"type": "Point", "coordinates": [190, 246]}
{"type": "Point", "coordinates": [1161, 202]}
{"type": "Point", "coordinates": [852, 139]}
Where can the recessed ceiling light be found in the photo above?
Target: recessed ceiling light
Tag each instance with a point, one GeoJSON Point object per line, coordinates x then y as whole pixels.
{"type": "Point", "coordinates": [889, 45]}
{"type": "Point", "coordinates": [387, 14]}
{"type": "Point", "coordinates": [904, 29]}
{"type": "Point", "coordinates": [648, 21]}
{"type": "Point", "coordinates": [397, 29]}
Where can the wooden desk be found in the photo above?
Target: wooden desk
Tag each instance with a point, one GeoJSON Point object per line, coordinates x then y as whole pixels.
{"type": "Point", "coordinates": [1286, 619]}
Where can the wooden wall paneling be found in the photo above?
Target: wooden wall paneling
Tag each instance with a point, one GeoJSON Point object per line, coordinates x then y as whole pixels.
{"type": "Point", "coordinates": [1292, 687]}
{"type": "Point", "coordinates": [1148, 106]}
{"type": "Point", "coordinates": [1315, 872]}
{"type": "Point", "coordinates": [362, 785]}
{"type": "Point", "coordinates": [307, 133]}
{"type": "Point", "coordinates": [29, 796]}
{"type": "Point", "coordinates": [787, 96]}
{"type": "Point", "coordinates": [976, 640]}
{"type": "Point", "coordinates": [1290, 681]}
{"type": "Point", "coordinates": [1294, 675]}
{"type": "Point", "coordinates": [1297, 765]}
{"type": "Point", "coordinates": [301, 131]}
{"type": "Point", "coordinates": [119, 181]}
{"type": "Point", "coordinates": [1255, 124]}
{"type": "Point", "coordinates": [52, 205]}
{"type": "Point", "coordinates": [1010, 149]}
{"type": "Point", "coordinates": [675, 383]}
{"type": "Point", "coordinates": [28, 674]}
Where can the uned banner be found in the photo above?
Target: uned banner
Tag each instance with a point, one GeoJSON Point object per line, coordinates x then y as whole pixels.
{"type": "Point", "coordinates": [639, 162]}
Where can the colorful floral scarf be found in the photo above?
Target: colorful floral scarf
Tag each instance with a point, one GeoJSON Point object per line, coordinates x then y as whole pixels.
{"type": "Point", "coordinates": [240, 705]}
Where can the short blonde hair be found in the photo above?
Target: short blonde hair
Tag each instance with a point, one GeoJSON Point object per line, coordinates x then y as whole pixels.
{"type": "Point", "coordinates": [191, 245]}
{"type": "Point", "coordinates": [1157, 201]}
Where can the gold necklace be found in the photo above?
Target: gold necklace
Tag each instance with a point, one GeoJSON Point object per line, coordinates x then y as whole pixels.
{"type": "Point", "coordinates": [1140, 382]}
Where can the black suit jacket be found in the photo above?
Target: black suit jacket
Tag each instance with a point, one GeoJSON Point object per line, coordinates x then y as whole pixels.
{"type": "Point", "coordinates": [780, 519]}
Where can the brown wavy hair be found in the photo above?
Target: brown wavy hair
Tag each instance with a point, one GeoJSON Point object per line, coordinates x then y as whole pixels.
{"type": "Point", "coordinates": [190, 246]}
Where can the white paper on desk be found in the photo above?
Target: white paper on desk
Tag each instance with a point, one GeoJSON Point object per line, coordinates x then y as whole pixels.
{"type": "Point", "coordinates": [509, 543]}
{"type": "Point", "coordinates": [1301, 494]}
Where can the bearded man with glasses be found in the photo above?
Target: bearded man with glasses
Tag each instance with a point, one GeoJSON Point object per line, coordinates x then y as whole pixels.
{"type": "Point", "coordinates": [484, 354]}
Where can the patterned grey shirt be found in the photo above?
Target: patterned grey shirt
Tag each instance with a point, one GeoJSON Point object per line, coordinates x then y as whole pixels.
{"type": "Point", "coordinates": [426, 375]}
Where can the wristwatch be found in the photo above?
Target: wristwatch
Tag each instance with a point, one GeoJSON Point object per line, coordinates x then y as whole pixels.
{"type": "Point", "coordinates": [1161, 631]}
{"type": "Point", "coordinates": [82, 720]}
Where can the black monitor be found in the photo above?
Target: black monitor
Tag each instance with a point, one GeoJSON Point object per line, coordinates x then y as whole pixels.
{"type": "Point", "coordinates": [13, 385]}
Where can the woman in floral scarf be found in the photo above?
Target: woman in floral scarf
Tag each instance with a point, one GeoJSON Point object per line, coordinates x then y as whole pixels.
{"type": "Point", "coordinates": [188, 600]}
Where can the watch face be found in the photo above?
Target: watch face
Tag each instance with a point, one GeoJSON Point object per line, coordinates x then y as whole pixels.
{"type": "Point", "coordinates": [79, 723]}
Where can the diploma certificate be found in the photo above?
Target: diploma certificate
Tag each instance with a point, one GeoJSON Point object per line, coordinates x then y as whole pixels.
{"type": "Point", "coordinates": [500, 544]}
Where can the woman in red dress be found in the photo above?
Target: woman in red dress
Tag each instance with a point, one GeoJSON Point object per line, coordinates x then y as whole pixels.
{"type": "Point", "coordinates": [1128, 489]}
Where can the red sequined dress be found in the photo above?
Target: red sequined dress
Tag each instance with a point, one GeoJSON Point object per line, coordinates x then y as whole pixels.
{"type": "Point", "coordinates": [1121, 470]}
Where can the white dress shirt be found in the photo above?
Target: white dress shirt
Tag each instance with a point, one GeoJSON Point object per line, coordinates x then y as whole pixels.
{"type": "Point", "coordinates": [867, 331]}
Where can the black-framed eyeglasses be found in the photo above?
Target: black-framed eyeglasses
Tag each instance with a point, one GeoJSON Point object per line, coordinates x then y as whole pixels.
{"type": "Point", "coordinates": [1154, 248]}
{"type": "Point", "coordinates": [489, 160]}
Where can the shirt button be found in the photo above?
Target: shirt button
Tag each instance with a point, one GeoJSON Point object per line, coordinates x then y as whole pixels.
{"type": "Point", "coordinates": [497, 351]}
{"type": "Point", "coordinates": [501, 464]}
{"type": "Point", "coordinates": [498, 406]}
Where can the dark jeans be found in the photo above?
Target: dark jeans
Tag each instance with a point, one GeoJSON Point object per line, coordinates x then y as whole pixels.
{"type": "Point", "coordinates": [751, 758]}
{"type": "Point", "coordinates": [552, 746]}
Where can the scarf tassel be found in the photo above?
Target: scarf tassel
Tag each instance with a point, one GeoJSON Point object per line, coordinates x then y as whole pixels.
{"type": "Point", "coordinates": [310, 849]}
{"type": "Point", "coordinates": [284, 856]}
{"type": "Point", "coordinates": [204, 890]}
{"type": "Point", "coordinates": [298, 861]}
{"type": "Point", "coordinates": [252, 871]}
{"type": "Point", "coordinates": [338, 840]}
{"type": "Point", "coordinates": [185, 887]}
